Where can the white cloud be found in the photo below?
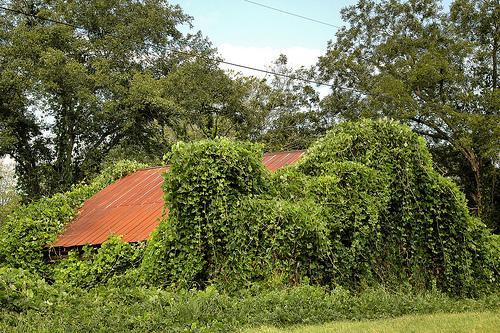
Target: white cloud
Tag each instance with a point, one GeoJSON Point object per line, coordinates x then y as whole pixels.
{"type": "Point", "coordinates": [262, 57]}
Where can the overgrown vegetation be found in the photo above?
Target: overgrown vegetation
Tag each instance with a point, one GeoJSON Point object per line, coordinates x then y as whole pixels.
{"type": "Point", "coordinates": [205, 180]}
{"type": "Point", "coordinates": [361, 227]}
{"type": "Point", "coordinates": [31, 305]}
{"type": "Point", "coordinates": [124, 80]}
{"type": "Point", "coordinates": [30, 228]}
{"type": "Point", "coordinates": [434, 69]}
{"type": "Point", "coordinates": [98, 266]}
{"type": "Point", "coordinates": [364, 206]}
{"type": "Point", "coordinates": [424, 233]}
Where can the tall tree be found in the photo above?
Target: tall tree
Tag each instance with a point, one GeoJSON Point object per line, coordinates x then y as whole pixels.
{"type": "Point", "coordinates": [292, 118]}
{"type": "Point", "coordinates": [66, 87]}
{"type": "Point", "coordinates": [433, 69]}
{"type": "Point", "coordinates": [211, 103]}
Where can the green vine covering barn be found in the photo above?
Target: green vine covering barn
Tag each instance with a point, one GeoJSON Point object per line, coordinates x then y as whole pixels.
{"type": "Point", "coordinates": [363, 206]}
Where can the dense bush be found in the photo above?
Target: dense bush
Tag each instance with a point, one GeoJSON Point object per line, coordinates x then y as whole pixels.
{"type": "Point", "coordinates": [21, 291]}
{"type": "Point", "coordinates": [106, 309]}
{"type": "Point", "coordinates": [205, 179]}
{"type": "Point", "coordinates": [96, 266]}
{"type": "Point", "coordinates": [272, 239]}
{"type": "Point", "coordinates": [427, 234]}
{"type": "Point", "coordinates": [363, 206]}
{"type": "Point", "coordinates": [352, 198]}
{"type": "Point", "coordinates": [30, 228]}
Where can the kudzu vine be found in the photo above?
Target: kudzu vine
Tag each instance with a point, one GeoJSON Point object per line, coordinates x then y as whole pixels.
{"type": "Point", "coordinates": [28, 230]}
{"type": "Point", "coordinates": [364, 206]}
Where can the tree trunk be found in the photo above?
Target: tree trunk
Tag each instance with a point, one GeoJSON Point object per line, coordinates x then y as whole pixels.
{"type": "Point", "coordinates": [475, 164]}
{"type": "Point", "coordinates": [66, 143]}
{"type": "Point", "coordinates": [494, 56]}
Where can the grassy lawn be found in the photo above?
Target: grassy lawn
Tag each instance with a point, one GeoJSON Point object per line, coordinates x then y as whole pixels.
{"type": "Point", "coordinates": [455, 322]}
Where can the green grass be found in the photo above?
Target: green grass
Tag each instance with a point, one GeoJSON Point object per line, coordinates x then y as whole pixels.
{"type": "Point", "coordinates": [441, 322]}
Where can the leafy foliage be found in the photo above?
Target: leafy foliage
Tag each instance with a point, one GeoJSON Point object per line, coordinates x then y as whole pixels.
{"type": "Point", "coordinates": [30, 228]}
{"type": "Point", "coordinates": [353, 199]}
{"type": "Point", "coordinates": [272, 240]}
{"type": "Point", "coordinates": [292, 117]}
{"type": "Point", "coordinates": [426, 232]}
{"type": "Point", "coordinates": [95, 267]}
{"type": "Point", "coordinates": [363, 206]}
{"type": "Point", "coordinates": [211, 310]}
{"type": "Point", "coordinates": [21, 291]}
{"type": "Point", "coordinates": [435, 70]}
{"type": "Point", "coordinates": [209, 102]}
{"type": "Point", "coordinates": [68, 91]}
{"type": "Point", "coordinates": [205, 179]}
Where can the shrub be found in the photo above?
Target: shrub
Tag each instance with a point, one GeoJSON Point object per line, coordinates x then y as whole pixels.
{"type": "Point", "coordinates": [30, 228]}
{"type": "Point", "coordinates": [205, 179]}
{"type": "Point", "coordinates": [363, 207]}
{"type": "Point", "coordinates": [21, 291]}
{"type": "Point", "coordinates": [269, 238]}
{"type": "Point", "coordinates": [97, 266]}
{"type": "Point", "coordinates": [105, 309]}
{"type": "Point", "coordinates": [426, 231]}
{"type": "Point", "coordinates": [352, 198]}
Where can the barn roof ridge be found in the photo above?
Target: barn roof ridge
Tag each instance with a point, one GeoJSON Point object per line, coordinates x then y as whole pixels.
{"type": "Point", "coordinates": [264, 154]}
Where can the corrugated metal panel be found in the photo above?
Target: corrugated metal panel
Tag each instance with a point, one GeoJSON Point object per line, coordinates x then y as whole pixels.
{"type": "Point", "coordinates": [131, 207]}
{"type": "Point", "coordinates": [275, 161]}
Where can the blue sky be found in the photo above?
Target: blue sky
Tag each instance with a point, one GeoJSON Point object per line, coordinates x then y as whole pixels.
{"type": "Point", "coordinates": [242, 23]}
{"type": "Point", "coordinates": [249, 34]}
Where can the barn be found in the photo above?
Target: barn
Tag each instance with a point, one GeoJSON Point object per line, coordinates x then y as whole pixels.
{"type": "Point", "coordinates": [132, 206]}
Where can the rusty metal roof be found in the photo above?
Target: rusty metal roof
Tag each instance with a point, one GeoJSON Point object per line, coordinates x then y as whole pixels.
{"type": "Point", "coordinates": [131, 207]}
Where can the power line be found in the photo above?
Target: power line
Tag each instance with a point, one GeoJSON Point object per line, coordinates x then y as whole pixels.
{"type": "Point", "coordinates": [12, 10]}
{"type": "Point", "coordinates": [292, 14]}
{"type": "Point", "coordinates": [277, 74]}
{"type": "Point", "coordinates": [192, 54]}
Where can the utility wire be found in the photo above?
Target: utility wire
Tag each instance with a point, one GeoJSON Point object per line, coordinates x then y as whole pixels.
{"type": "Point", "coordinates": [193, 54]}
{"type": "Point", "coordinates": [38, 17]}
{"type": "Point", "coordinates": [292, 14]}
{"type": "Point", "coordinates": [277, 74]}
